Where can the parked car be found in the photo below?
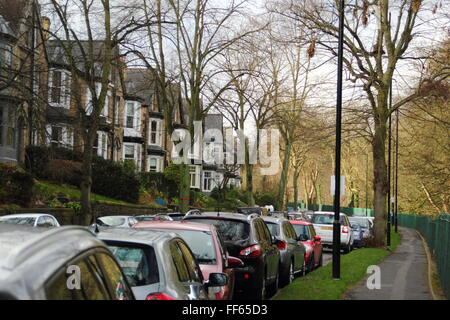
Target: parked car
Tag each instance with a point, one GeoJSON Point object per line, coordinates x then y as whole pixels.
{"type": "Point", "coordinates": [248, 238]}
{"type": "Point", "coordinates": [292, 252]}
{"type": "Point", "coordinates": [208, 248]}
{"type": "Point", "coordinates": [323, 224]}
{"type": "Point", "coordinates": [295, 215]}
{"type": "Point", "coordinates": [116, 221]}
{"type": "Point", "coordinates": [35, 264]}
{"type": "Point", "coordinates": [313, 243]}
{"type": "Point", "coordinates": [153, 217]}
{"type": "Point", "coordinates": [31, 219]}
{"type": "Point", "coordinates": [366, 225]}
{"type": "Point", "coordinates": [250, 210]}
{"type": "Point", "coordinates": [159, 265]}
{"type": "Point", "coordinates": [358, 235]}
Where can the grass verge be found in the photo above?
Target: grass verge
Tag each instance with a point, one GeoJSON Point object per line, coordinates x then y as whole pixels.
{"type": "Point", "coordinates": [73, 193]}
{"type": "Point", "coordinates": [319, 284]}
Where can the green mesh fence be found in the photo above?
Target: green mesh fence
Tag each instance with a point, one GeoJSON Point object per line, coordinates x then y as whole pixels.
{"type": "Point", "coordinates": [437, 233]}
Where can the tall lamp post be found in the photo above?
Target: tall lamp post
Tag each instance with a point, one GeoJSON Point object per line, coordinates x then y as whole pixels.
{"type": "Point", "coordinates": [396, 173]}
{"type": "Point", "coordinates": [337, 174]}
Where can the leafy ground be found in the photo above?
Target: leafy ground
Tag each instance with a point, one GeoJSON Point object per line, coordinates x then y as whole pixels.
{"type": "Point", "coordinates": [319, 285]}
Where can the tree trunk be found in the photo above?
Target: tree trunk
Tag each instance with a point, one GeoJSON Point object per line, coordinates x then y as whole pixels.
{"type": "Point", "coordinates": [185, 188]}
{"type": "Point", "coordinates": [86, 183]}
{"type": "Point", "coordinates": [284, 173]}
{"type": "Point", "coordinates": [295, 185]}
{"type": "Point", "coordinates": [380, 180]}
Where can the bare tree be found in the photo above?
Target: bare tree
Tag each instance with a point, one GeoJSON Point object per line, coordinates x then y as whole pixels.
{"type": "Point", "coordinates": [375, 44]}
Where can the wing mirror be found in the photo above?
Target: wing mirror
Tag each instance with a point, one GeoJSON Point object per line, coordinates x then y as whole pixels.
{"type": "Point", "coordinates": [234, 262]}
{"type": "Point", "coordinates": [217, 280]}
{"type": "Point", "coordinates": [317, 238]}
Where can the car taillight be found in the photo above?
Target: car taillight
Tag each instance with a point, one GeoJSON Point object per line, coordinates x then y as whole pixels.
{"type": "Point", "coordinates": [344, 229]}
{"type": "Point", "coordinates": [158, 296]}
{"type": "Point", "coordinates": [281, 245]}
{"type": "Point", "coordinates": [252, 251]}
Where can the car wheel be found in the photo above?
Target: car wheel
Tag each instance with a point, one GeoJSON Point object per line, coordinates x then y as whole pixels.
{"type": "Point", "coordinates": [261, 292]}
{"type": "Point", "coordinates": [312, 263]}
{"type": "Point", "coordinates": [274, 286]}
{"type": "Point", "coordinates": [347, 249]}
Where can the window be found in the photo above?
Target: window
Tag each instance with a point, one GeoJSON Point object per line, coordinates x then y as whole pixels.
{"type": "Point", "coordinates": [178, 261]}
{"type": "Point", "coordinates": [194, 270]}
{"type": "Point", "coordinates": [201, 244]}
{"type": "Point", "coordinates": [7, 127]}
{"type": "Point", "coordinates": [194, 172]}
{"type": "Point", "coordinates": [208, 181]}
{"type": "Point", "coordinates": [92, 285]}
{"type": "Point", "coordinates": [153, 164]}
{"type": "Point", "coordinates": [230, 230]}
{"type": "Point", "coordinates": [115, 278]}
{"type": "Point", "coordinates": [301, 229]}
{"type": "Point", "coordinates": [59, 88]}
{"type": "Point", "coordinates": [274, 229]}
{"type": "Point", "coordinates": [132, 152]}
{"type": "Point", "coordinates": [101, 144]}
{"type": "Point", "coordinates": [130, 115]}
{"type": "Point", "coordinates": [5, 58]}
{"type": "Point", "coordinates": [138, 264]}
{"type": "Point", "coordinates": [60, 136]}
{"type": "Point", "coordinates": [153, 132]}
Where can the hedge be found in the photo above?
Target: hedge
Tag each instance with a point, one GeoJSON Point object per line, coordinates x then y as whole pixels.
{"type": "Point", "coordinates": [16, 185]}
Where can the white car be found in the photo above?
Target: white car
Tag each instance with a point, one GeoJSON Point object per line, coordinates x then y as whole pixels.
{"type": "Point", "coordinates": [31, 219]}
{"type": "Point", "coordinates": [116, 221]}
{"type": "Point", "coordinates": [323, 225]}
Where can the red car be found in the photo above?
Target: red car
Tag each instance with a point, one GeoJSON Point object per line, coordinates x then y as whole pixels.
{"type": "Point", "coordinates": [312, 242]}
{"type": "Point", "coordinates": [208, 249]}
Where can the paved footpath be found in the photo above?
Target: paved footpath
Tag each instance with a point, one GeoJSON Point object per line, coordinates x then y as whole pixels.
{"type": "Point", "coordinates": [403, 274]}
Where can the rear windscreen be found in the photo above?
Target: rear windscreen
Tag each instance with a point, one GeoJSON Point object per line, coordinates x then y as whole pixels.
{"type": "Point", "coordinates": [326, 219]}
{"type": "Point", "coordinates": [273, 228]}
{"type": "Point", "coordinates": [231, 230]}
{"type": "Point", "coordinates": [138, 264]}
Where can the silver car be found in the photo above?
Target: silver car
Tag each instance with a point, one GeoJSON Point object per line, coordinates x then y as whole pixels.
{"type": "Point", "coordinates": [159, 265]}
{"type": "Point", "coordinates": [116, 221]}
{"type": "Point", "coordinates": [31, 219]}
{"type": "Point", "coordinates": [323, 225]}
{"type": "Point", "coordinates": [36, 264]}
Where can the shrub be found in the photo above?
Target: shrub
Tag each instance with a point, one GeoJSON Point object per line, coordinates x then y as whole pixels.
{"type": "Point", "coordinates": [263, 199]}
{"type": "Point", "coordinates": [63, 171]}
{"type": "Point", "coordinates": [37, 159]}
{"type": "Point", "coordinates": [114, 180]}
{"type": "Point", "coordinates": [16, 185]}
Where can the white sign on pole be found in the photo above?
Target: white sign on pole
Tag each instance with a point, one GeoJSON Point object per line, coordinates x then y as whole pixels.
{"type": "Point", "coordinates": [342, 185]}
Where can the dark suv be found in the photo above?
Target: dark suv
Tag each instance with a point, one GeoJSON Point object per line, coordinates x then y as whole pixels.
{"type": "Point", "coordinates": [248, 238]}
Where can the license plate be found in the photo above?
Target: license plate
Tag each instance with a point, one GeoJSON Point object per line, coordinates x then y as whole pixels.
{"type": "Point", "coordinates": [326, 228]}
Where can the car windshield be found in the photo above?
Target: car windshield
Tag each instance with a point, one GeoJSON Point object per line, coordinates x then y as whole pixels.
{"type": "Point", "coordinates": [273, 228]}
{"type": "Point", "coordinates": [111, 221]}
{"type": "Point", "coordinates": [19, 220]}
{"type": "Point", "coordinates": [364, 223]}
{"type": "Point", "coordinates": [326, 219]}
{"type": "Point", "coordinates": [355, 226]}
{"type": "Point", "coordinates": [201, 244]}
{"type": "Point", "coordinates": [139, 265]}
{"type": "Point", "coordinates": [301, 229]}
{"type": "Point", "coordinates": [231, 230]}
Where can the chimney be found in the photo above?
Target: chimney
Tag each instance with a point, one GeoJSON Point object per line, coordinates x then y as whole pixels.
{"type": "Point", "coordinates": [46, 27]}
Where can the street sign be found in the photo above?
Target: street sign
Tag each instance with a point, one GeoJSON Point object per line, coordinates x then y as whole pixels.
{"type": "Point", "coordinates": [332, 186]}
